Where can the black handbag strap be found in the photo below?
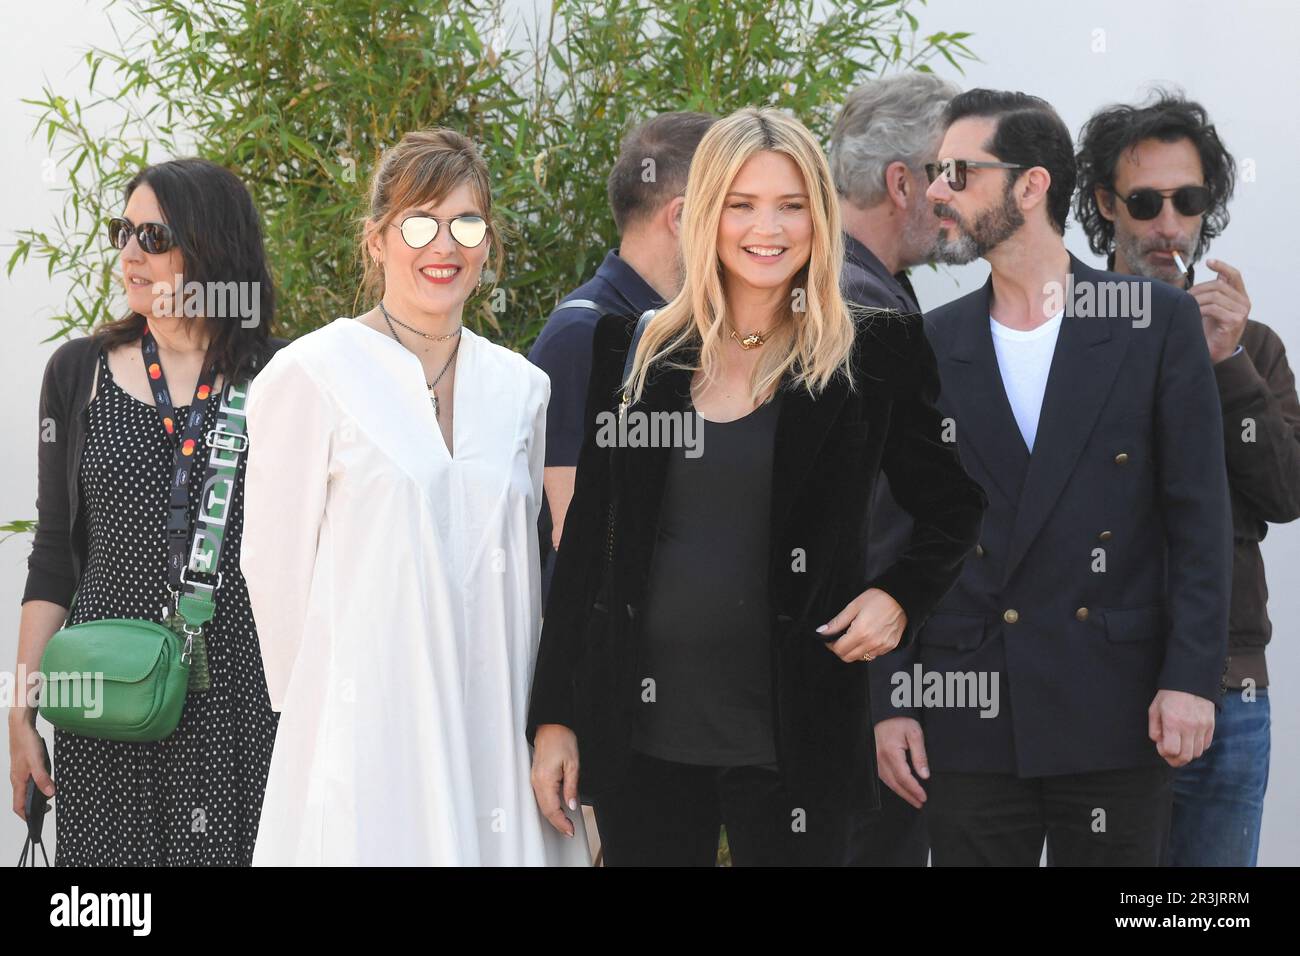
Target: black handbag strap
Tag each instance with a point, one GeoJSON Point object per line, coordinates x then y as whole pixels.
{"type": "Point", "coordinates": [35, 805]}
{"type": "Point", "coordinates": [641, 323]}
{"type": "Point", "coordinates": [612, 513]}
{"type": "Point", "coordinates": [576, 304]}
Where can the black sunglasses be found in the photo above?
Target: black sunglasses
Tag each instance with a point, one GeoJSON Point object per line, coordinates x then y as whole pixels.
{"type": "Point", "coordinates": [954, 170]}
{"type": "Point", "coordinates": [419, 231]}
{"type": "Point", "coordinates": [1147, 203]}
{"type": "Point", "coordinates": [154, 237]}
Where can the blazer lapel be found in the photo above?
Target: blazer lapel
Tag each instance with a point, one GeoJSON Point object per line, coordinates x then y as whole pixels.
{"type": "Point", "coordinates": [985, 423]}
{"type": "Point", "coordinates": [801, 429]}
{"type": "Point", "coordinates": [1084, 366]}
{"type": "Point", "coordinates": [645, 472]}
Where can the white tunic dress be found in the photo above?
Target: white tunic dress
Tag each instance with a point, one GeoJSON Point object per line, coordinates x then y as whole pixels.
{"type": "Point", "coordinates": [396, 593]}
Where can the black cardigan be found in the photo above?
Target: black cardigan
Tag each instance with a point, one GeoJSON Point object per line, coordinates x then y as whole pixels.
{"type": "Point", "coordinates": [59, 549]}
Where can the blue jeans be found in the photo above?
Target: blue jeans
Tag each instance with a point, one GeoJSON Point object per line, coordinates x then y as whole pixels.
{"type": "Point", "coordinates": [1219, 797]}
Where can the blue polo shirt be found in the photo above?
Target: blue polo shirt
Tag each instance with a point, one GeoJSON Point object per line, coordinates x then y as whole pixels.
{"type": "Point", "coordinates": [563, 352]}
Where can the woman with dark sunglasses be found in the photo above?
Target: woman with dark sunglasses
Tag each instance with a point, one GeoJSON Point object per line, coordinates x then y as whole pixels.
{"type": "Point", "coordinates": [126, 417]}
{"type": "Point", "coordinates": [391, 550]}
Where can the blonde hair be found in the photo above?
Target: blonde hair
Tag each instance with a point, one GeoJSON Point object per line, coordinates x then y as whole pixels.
{"type": "Point", "coordinates": [423, 167]}
{"type": "Point", "coordinates": [815, 343]}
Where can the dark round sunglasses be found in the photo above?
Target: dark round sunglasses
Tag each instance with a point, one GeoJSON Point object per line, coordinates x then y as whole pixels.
{"type": "Point", "coordinates": [419, 231]}
{"type": "Point", "coordinates": [1147, 203]}
{"type": "Point", "coordinates": [154, 237]}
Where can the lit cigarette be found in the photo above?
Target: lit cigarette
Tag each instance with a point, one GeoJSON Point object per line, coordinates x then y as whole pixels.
{"type": "Point", "coordinates": [1178, 261]}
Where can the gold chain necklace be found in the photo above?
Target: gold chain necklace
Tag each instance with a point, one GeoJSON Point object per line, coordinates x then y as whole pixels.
{"type": "Point", "coordinates": [752, 340]}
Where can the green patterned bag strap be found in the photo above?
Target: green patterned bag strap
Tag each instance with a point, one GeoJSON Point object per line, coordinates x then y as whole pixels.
{"type": "Point", "coordinates": [197, 601]}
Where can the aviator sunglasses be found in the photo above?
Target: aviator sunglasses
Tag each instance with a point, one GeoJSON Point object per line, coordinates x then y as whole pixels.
{"type": "Point", "coordinates": [154, 237]}
{"type": "Point", "coordinates": [419, 231]}
{"type": "Point", "coordinates": [1147, 203]}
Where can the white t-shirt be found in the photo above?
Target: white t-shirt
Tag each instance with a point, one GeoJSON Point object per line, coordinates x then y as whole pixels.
{"type": "Point", "coordinates": [1025, 358]}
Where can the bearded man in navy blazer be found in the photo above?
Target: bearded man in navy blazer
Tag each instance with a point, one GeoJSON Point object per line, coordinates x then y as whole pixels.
{"type": "Point", "coordinates": [1080, 656]}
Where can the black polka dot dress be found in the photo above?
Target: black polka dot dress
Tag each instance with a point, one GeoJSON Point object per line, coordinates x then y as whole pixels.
{"type": "Point", "coordinates": [194, 798]}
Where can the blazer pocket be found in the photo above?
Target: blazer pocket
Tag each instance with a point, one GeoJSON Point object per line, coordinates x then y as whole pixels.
{"type": "Point", "coordinates": [958, 632]}
{"type": "Point", "coordinates": [1126, 625]}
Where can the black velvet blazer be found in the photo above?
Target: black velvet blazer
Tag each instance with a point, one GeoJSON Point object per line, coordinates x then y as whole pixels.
{"type": "Point", "coordinates": [829, 451]}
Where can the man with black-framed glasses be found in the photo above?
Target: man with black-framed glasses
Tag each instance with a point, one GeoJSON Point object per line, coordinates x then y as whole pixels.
{"type": "Point", "coordinates": [1079, 655]}
{"type": "Point", "coordinates": [1155, 181]}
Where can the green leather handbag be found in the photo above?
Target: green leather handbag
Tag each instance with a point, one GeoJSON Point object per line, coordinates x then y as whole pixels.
{"type": "Point", "coordinates": [116, 679]}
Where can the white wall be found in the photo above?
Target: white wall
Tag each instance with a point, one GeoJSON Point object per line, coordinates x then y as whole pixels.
{"type": "Point", "coordinates": [1237, 58]}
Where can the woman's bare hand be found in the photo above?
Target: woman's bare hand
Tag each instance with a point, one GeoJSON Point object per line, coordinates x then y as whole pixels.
{"type": "Point", "coordinates": [26, 759]}
{"type": "Point", "coordinates": [555, 774]}
{"type": "Point", "coordinates": [871, 625]}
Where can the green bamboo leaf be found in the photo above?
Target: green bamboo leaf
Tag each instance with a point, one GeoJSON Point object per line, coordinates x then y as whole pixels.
{"type": "Point", "coordinates": [300, 108]}
{"type": "Point", "coordinates": [21, 249]}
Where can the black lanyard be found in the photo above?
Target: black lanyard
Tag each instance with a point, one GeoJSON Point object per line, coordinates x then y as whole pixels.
{"type": "Point", "coordinates": [186, 453]}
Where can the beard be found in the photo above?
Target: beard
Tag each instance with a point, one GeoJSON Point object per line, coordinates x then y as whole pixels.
{"type": "Point", "coordinates": [987, 231]}
{"type": "Point", "coordinates": [1134, 251]}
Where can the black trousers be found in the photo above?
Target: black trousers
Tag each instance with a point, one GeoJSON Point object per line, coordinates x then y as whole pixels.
{"type": "Point", "coordinates": [669, 814]}
{"type": "Point", "coordinates": [894, 835]}
{"type": "Point", "coordinates": [1105, 818]}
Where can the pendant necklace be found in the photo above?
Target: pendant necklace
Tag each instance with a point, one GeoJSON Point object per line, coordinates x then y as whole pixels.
{"type": "Point", "coordinates": [752, 340]}
{"type": "Point", "coordinates": [433, 395]}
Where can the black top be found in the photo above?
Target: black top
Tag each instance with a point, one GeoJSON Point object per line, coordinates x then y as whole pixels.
{"type": "Point", "coordinates": [59, 546]}
{"type": "Point", "coordinates": [706, 636]}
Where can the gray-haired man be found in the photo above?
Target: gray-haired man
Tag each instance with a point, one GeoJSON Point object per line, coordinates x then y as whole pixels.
{"type": "Point", "coordinates": [886, 132]}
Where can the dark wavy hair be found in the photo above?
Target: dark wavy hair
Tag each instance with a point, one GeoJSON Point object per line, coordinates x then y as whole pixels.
{"type": "Point", "coordinates": [217, 230]}
{"type": "Point", "coordinates": [1167, 117]}
{"type": "Point", "coordinates": [1029, 132]}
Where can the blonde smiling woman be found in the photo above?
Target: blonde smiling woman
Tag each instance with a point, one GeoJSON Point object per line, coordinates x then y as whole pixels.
{"type": "Point", "coordinates": [702, 657]}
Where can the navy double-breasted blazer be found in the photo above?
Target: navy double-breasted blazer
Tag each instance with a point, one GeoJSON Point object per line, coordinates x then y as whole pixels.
{"type": "Point", "coordinates": [1104, 566]}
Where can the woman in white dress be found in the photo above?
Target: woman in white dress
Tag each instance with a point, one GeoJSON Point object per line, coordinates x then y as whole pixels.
{"type": "Point", "coordinates": [390, 548]}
